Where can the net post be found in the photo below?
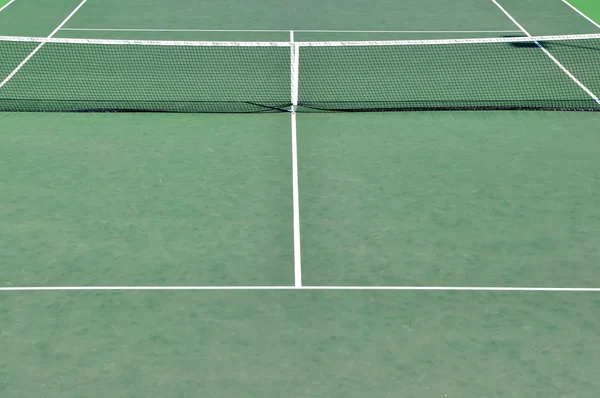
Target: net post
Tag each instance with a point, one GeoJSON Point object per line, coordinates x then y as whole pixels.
{"type": "Point", "coordinates": [294, 63]}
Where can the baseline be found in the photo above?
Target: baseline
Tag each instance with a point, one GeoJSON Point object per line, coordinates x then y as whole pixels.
{"type": "Point", "coordinates": [284, 31]}
{"type": "Point", "coordinates": [331, 288]}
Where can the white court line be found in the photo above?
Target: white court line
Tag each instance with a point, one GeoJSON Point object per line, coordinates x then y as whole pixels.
{"type": "Point", "coordinates": [561, 66]}
{"type": "Point", "coordinates": [294, 71]}
{"type": "Point", "coordinates": [296, 204]}
{"type": "Point", "coordinates": [35, 50]}
{"type": "Point", "coordinates": [285, 31]}
{"type": "Point", "coordinates": [427, 42]}
{"type": "Point", "coordinates": [6, 5]}
{"type": "Point", "coordinates": [582, 14]}
{"type": "Point", "coordinates": [314, 288]}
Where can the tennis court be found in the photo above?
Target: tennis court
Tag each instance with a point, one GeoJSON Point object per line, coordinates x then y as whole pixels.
{"type": "Point", "coordinates": [311, 253]}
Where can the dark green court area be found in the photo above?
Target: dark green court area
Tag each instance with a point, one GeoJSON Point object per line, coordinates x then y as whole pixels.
{"type": "Point", "coordinates": [500, 199]}
{"type": "Point", "coordinates": [145, 199]}
{"type": "Point", "coordinates": [300, 344]}
{"type": "Point", "coordinates": [466, 199]}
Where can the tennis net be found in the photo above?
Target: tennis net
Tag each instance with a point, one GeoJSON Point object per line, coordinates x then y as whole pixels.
{"type": "Point", "coordinates": [59, 74]}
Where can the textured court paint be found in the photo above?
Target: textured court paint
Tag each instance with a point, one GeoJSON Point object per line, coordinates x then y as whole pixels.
{"type": "Point", "coordinates": [470, 199]}
{"type": "Point", "coordinates": [145, 199]}
{"type": "Point", "coordinates": [591, 8]}
{"type": "Point", "coordinates": [299, 344]}
{"type": "Point", "coordinates": [273, 344]}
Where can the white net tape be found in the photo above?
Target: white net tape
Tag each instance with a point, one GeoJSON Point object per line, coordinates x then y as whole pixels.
{"type": "Point", "coordinates": [523, 39]}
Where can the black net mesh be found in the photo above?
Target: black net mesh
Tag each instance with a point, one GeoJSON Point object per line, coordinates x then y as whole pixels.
{"type": "Point", "coordinates": [104, 75]}
{"type": "Point", "coordinates": [111, 77]}
{"type": "Point", "coordinates": [471, 75]}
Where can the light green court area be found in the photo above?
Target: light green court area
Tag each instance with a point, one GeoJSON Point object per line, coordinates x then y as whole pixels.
{"type": "Point", "coordinates": [591, 8]}
{"type": "Point", "coordinates": [145, 199]}
{"type": "Point", "coordinates": [299, 344]}
{"type": "Point", "coordinates": [541, 17]}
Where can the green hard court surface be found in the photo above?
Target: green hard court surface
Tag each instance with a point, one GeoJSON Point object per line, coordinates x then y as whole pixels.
{"type": "Point", "coordinates": [591, 8]}
{"type": "Point", "coordinates": [464, 199]}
